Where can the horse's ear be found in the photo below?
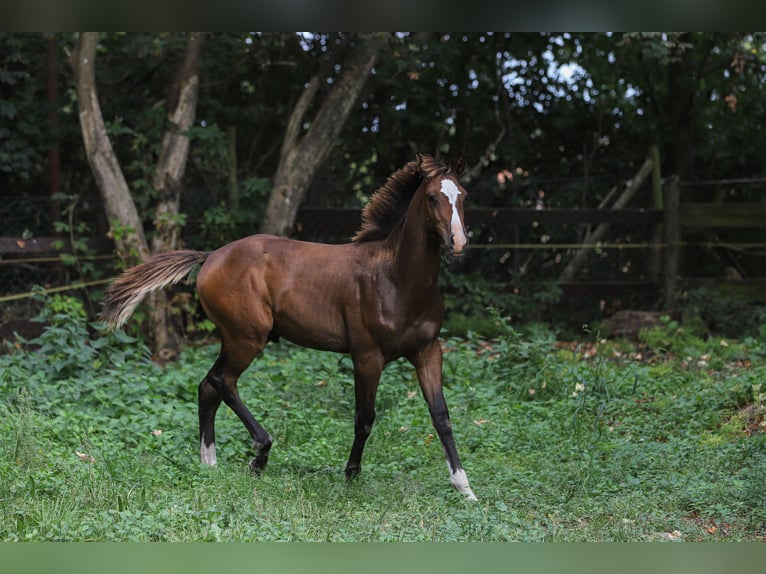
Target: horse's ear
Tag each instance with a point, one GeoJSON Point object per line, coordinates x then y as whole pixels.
{"type": "Point", "coordinates": [420, 157]}
{"type": "Point", "coordinates": [459, 164]}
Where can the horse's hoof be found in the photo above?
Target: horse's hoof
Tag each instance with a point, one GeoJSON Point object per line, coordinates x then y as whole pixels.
{"type": "Point", "coordinates": [257, 466]}
{"type": "Point", "coordinates": [469, 495]}
{"type": "Point", "coordinates": [352, 471]}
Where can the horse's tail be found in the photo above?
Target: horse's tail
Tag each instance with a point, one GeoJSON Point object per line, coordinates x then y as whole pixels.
{"type": "Point", "coordinates": [123, 296]}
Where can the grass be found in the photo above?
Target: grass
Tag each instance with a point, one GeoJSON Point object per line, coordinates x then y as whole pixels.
{"type": "Point", "coordinates": [587, 441]}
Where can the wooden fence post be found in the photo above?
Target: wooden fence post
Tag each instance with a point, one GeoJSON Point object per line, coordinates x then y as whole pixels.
{"type": "Point", "coordinates": [672, 226]}
{"type": "Point", "coordinates": [654, 267]}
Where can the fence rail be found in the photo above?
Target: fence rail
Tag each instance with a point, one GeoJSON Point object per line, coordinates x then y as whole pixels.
{"type": "Point", "coordinates": [495, 228]}
{"type": "Point", "coordinates": [343, 222]}
{"type": "Point", "coordinates": [49, 245]}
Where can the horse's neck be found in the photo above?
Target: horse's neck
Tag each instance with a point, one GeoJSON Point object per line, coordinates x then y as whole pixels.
{"type": "Point", "coordinates": [417, 255]}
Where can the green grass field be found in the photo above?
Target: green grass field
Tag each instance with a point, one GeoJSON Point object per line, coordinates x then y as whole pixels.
{"type": "Point", "coordinates": [588, 441]}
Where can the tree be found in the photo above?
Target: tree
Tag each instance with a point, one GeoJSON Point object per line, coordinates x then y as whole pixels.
{"type": "Point", "coordinates": [569, 114]}
{"type": "Point", "coordinates": [303, 153]}
{"type": "Point", "coordinates": [128, 231]}
{"type": "Point", "coordinates": [121, 210]}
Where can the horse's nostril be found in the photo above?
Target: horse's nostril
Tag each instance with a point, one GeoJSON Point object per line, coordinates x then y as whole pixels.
{"type": "Point", "coordinates": [458, 243]}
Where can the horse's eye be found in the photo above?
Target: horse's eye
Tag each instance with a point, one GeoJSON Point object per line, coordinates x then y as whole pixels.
{"type": "Point", "coordinates": [433, 200]}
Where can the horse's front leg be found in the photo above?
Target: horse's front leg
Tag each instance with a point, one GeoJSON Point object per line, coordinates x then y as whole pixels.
{"type": "Point", "coordinates": [367, 371]}
{"type": "Point", "coordinates": [428, 363]}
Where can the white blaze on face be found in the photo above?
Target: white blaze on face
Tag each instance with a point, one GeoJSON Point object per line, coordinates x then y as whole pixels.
{"type": "Point", "coordinates": [451, 192]}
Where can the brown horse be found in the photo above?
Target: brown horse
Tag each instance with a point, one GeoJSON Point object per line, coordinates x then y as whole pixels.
{"type": "Point", "coordinates": [375, 298]}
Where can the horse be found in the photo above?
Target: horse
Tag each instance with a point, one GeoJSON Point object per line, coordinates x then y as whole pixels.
{"type": "Point", "coordinates": [375, 298]}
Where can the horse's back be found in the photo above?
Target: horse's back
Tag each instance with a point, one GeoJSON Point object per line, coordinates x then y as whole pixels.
{"type": "Point", "coordinates": [262, 285]}
{"type": "Point", "coordinates": [278, 260]}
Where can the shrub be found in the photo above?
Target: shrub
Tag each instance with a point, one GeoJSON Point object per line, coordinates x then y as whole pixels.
{"type": "Point", "coordinates": [729, 311]}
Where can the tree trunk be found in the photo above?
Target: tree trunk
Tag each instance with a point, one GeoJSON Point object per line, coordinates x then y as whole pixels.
{"type": "Point", "coordinates": [682, 87]}
{"type": "Point", "coordinates": [171, 164]}
{"type": "Point", "coordinates": [125, 222]}
{"type": "Point", "coordinates": [168, 177]}
{"type": "Point", "coordinates": [120, 210]}
{"type": "Point", "coordinates": [302, 157]}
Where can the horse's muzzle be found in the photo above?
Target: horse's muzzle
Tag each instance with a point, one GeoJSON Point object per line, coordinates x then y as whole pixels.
{"type": "Point", "coordinates": [458, 245]}
{"type": "Point", "coordinates": [458, 239]}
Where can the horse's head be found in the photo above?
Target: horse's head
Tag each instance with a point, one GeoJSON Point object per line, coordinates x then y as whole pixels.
{"type": "Point", "coordinates": [444, 198]}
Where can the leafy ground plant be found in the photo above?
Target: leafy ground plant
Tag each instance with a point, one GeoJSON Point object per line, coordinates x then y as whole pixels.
{"type": "Point", "coordinates": [618, 441]}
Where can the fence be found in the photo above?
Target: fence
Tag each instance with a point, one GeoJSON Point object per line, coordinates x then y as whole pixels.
{"type": "Point", "coordinates": [646, 250]}
{"type": "Point", "coordinates": [659, 235]}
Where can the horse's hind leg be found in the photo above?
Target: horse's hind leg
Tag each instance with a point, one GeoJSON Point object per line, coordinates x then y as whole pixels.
{"type": "Point", "coordinates": [222, 380]}
{"type": "Point", "coordinates": [209, 401]}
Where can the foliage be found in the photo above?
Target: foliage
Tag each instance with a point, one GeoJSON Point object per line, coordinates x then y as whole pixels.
{"type": "Point", "coordinates": [552, 105]}
{"type": "Point", "coordinates": [69, 342]}
{"type": "Point", "coordinates": [23, 140]}
{"type": "Point", "coordinates": [524, 360]}
{"type": "Point", "coordinates": [471, 301]}
{"type": "Point", "coordinates": [221, 224]}
{"type": "Point", "coordinates": [729, 311]}
{"type": "Point", "coordinates": [618, 442]}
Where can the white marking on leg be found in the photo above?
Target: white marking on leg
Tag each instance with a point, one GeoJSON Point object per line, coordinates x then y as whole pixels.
{"type": "Point", "coordinates": [207, 452]}
{"type": "Point", "coordinates": [451, 192]}
{"type": "Point", "coordinates": [460, 481]}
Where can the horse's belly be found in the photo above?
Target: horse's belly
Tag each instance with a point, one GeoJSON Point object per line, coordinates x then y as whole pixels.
{"type": "Point", "coordinates": [312, 328]}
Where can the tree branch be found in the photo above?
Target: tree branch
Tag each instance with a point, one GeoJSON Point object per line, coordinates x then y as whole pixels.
{"type": "Point", "coordinates": [302, 157]}
{"type": "Point", "coordinates": [295, 123]}
{"type": "Point", "coordinates": [631, 187]}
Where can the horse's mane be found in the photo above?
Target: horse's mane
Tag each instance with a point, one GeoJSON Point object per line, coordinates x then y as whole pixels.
{"type": "Point", "coordinates": [389, 203]}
